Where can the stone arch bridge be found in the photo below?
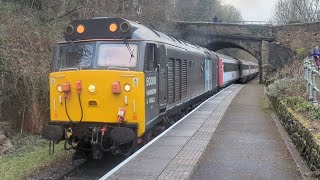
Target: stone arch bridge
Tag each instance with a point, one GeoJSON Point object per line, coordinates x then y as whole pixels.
{"type": "Point", "coordinates": [272, 46]}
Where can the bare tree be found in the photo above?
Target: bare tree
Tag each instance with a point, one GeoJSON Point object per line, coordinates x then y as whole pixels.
{"type": "Point", "coordinates": [229, 13]}
{"type": "Point", "coordinates": [292, 11]}
{"type": "Point", "coordinates": [205, 10]}
{"type": "Point", "coordinates": [146, 11]}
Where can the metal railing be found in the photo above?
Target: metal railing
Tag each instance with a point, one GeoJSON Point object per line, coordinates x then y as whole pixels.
{"type": "Point", "coordinates": [269, 23]}
{"type": "Point", "coordinates": [310, 75]}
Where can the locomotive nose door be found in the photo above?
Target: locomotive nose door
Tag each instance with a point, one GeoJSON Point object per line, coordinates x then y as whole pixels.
{"type": "Point", "coordinates": [162, 76]}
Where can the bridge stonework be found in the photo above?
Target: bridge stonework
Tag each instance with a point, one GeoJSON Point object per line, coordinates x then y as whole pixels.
{"type": "Point", "coordinates": [272, 46]}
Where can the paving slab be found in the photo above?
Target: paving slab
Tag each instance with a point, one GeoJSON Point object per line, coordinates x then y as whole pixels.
{"type": "Point", "coordinates": [246, 144]}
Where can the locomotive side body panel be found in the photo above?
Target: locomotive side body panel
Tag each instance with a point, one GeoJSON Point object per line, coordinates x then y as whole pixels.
{"type": "Point", "coordinates": [186, 74]}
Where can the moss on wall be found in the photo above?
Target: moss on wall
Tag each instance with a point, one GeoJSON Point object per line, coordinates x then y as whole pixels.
{"type": "Point", "coordinates": [306, 142]}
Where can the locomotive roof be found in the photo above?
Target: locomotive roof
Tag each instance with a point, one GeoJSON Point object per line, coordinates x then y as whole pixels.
{"type": "Point", "coordinates": [118, 29]}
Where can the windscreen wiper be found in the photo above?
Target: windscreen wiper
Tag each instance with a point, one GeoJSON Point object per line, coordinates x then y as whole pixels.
{"type": "Point", "coordinates": [75, 46]}
{"type": "Point", "coordinates": [129, 49]}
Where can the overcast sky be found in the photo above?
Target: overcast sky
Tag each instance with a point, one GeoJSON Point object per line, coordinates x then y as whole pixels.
{"type": "Point", "coordinates": [254, 10]}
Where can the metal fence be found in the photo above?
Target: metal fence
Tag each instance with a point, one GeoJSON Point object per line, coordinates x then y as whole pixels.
{"type": "Point", "coordinates": [267, 23]}
{"type": "Point", "coordinates": [310, 75]}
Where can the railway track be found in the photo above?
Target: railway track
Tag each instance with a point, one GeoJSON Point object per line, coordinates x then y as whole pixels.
{"type": "Point", "coordinates": [92, 169]}
{"type": "Point", "coordinates": [79, 169]}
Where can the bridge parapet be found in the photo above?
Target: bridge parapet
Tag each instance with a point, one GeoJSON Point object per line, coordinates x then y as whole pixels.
{"type": "Point", "coordinates": [236, 31]}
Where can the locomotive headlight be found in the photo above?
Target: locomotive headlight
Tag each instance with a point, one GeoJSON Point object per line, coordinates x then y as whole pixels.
{"type": "Point", "coordinates": [59, 88]}
{"type": "Point", "coordinates": [113, 27]}
{"type": "Point", "coordinates": [80, 28]}
{"type": "Point", "coordinates": [92, 88]}
{"type": "Point", "coordinates": [127, 87]}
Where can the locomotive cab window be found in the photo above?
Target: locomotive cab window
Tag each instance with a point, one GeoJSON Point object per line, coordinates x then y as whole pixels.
{"type": "Point", "coordinates": [117, 55]}
{"type": "Point", "coordinates": [150, 58]}
{"type": "Point", "coordinates": [74, 56]}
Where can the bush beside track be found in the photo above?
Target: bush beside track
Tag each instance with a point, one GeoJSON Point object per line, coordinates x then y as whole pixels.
{"type": "Point", "coordinates": [25, 54]}
{"type": "Point", "coordinates": [300, 118]}
{"type": "Point", "coordinates": [304, 134]}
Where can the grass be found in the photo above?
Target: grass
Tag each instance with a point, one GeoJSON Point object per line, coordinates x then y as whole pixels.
{"type": "Point", "coordinates": [23, 164]}
{"type": "Point", "coordinates": [304, 107]}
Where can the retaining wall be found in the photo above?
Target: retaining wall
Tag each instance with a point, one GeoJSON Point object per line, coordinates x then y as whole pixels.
{"type": "Point", "coordinates": [301, 135]}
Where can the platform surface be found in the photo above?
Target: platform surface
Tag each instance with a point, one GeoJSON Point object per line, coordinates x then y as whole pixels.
{"type": "Point", "coordinates": [247, 143]}
{"type": "Point", "coordinates": [244, 145]}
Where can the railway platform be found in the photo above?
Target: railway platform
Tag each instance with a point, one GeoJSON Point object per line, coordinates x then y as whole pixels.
{"type": "Point", "coordinates": [230, 136]}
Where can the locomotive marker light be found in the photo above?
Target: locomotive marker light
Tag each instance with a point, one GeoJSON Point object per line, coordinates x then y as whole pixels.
{"type": "Point", "coordinates": [59, 88]}
{"type": "Point", "coordinates": [80, 28]}
{"type": "Point", "coordinates": [92, 88]}
{"type": "Point", "coordinates": [69, 29]}
{"type": "Point", "coordinates": [124, 27]}
{"type": "Point", "coordinates": [127, 87]}
{"type": "Point", "coordinates": [113, 27]}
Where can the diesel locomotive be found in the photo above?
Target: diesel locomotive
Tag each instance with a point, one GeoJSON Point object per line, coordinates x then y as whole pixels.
{"type": "Point", "coordinates": [114, 83]}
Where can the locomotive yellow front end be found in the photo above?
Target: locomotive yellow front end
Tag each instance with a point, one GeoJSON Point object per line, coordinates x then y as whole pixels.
{"type": "Point", "coordinates": [97, 89]}
{"type": "Point", "coordinates": [97, 96]}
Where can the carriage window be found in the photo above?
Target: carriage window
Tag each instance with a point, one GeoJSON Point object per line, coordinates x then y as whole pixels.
{"type": "Point", "coordinates": [75, 56]}
{"type": "Point", "coordinates": [150, 63]}
{"type": "Point", "coordinates": [117, 55]}
{"type": "Point", "coordinates": [228, 67]}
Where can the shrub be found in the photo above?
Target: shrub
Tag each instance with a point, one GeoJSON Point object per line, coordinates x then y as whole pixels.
{"type": "Point", "coordinates": [304, 106]}
{"type": "Point", "coordinates": [301, 53]}
{"type": "Point", "coordinates": [287, 87]}
{"type": "Point", "coordinates": [298, 103]}
{"type": "Point", "coordinates": [25, 53]}
{"type": "Point", "coordinates": [315, 113]}
{"type": "Point", "coordinates": [301, 105]}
